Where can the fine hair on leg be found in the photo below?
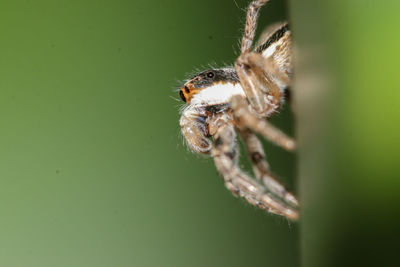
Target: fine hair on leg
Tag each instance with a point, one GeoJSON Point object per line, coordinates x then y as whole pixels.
{"type": "Point", "coordinates": [251, 24]}
{"type": "Point", "coordinates": [261, 169]}
{"type": "Point", "coordinates": [224, 152]}
{"type": "Point", "coordinates": [248, 119]}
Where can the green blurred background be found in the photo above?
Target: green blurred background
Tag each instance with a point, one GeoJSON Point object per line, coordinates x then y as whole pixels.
{"type": "Point", "coordinates": [93, 168]}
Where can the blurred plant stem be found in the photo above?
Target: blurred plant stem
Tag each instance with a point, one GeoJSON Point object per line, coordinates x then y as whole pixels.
{"type": "Point", "coordinates": [347, 95]}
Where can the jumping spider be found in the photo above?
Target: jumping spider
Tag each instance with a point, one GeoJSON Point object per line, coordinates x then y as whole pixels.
{"type": "Point", "coordinates": [241, 99]}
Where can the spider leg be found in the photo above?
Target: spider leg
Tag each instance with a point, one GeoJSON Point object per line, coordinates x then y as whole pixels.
{"type": "Point", "coordinates": [225, 152]}
{"type": "Point", "coordinates": [262, 81]}
{"type": "Point", "coordinates": [245, 118]}
{"type": "Point", "coordinates": [251, 24]}
{"type": "Point", "coordinates": [261, 168]}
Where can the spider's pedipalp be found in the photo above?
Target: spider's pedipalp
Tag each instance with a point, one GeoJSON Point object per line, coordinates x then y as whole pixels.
{"type": "Point", "coordinates": [194, 130]}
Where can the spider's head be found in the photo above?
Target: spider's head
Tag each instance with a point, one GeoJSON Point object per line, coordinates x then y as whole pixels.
{"type": "Point", "coordinates": [209, 84]}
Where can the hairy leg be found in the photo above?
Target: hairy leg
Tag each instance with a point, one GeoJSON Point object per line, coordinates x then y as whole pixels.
{"type": "Point", "coordinates": [251, 24]}
{"type": "Point", "coordinates": [261, 168]}
{"type": "Point", "coordinates": [262, 82]}
{"type": "Point", "coordinates": [224, 153]}
{"type": "Point", "coordinates": [245, 118]}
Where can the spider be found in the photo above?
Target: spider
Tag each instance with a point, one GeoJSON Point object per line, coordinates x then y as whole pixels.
{"type": "Point", "coordinates": [224, 102]}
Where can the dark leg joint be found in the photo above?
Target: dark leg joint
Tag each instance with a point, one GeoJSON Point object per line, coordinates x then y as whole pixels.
{"type": "Point", "coordinates": [231, 154]}
{"type": "Point", "coordinates": [256, 157]}
{"type": "Point", "coordinates": [218, 142]}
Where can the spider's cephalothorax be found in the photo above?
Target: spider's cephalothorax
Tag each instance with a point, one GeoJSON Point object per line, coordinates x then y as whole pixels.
{"type": "Point", "coordinates": [240, 99]}
{"type": "Point", "coordinates": [210, 87]}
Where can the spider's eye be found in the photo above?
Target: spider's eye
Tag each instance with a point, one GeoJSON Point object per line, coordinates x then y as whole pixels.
{"type": "Point", "coordinates": [210, 74]}
{"type": "Point", "coordinates": [182, 96]}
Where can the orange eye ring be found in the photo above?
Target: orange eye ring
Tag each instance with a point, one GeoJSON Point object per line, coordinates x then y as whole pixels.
{"type": "Point", "coordinates": [187, 92]}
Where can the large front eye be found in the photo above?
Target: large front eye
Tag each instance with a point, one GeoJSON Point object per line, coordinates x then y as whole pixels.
{"type": "Point", "coordinates": [210, 74]}
{"type": "Point", "coordinates": [182, 96]}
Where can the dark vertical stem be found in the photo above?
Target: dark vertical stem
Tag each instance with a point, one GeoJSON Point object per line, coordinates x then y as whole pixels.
{"type": "Point", "coordinates": [347, 100]}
